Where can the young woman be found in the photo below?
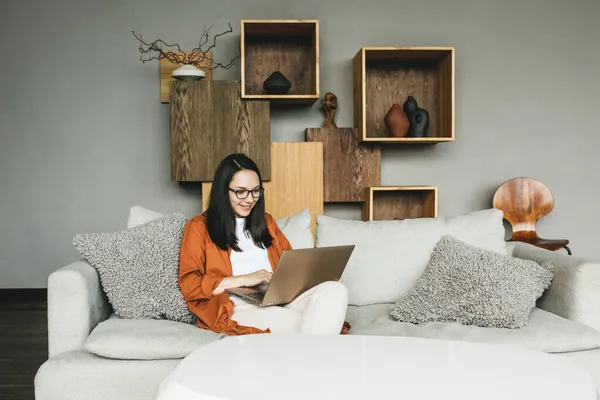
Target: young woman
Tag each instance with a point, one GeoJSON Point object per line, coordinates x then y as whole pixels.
{"type": "Point", "coordinates": [235, 243]}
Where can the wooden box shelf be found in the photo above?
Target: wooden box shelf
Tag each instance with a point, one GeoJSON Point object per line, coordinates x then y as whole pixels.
{"type": "Point", "coordinates": [399, 202]}
{"type": "Point", "coordinates": [384, 76]}
{"type": "Point", "coordinates": [288, 46]}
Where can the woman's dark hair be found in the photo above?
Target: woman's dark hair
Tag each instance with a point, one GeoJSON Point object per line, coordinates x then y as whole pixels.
{"type": "Point", "coordinates": [220, 218]}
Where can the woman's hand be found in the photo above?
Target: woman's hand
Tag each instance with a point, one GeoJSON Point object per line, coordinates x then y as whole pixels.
{"type": "Point", "coordinates": [256, 278]}
{"type": "Point", "coordinates": [253, 279]}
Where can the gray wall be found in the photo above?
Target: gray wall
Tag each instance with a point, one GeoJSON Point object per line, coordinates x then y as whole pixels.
{"type": "Point", "coordinates": [84, 135]}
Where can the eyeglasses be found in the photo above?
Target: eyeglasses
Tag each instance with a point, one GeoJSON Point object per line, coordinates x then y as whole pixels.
{"type": "Point", "coordinates": [243, 193]}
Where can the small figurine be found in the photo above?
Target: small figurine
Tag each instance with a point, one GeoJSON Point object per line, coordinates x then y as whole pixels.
{"type": "Point", "coordinates": [330, 105]}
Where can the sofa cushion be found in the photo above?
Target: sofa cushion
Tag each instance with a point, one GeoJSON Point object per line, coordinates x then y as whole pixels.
{"type": "Point", "coordinates": [296, 227]}
{"type": "Point", "coordinates": [139, 268]}
{"type": "Point", "coordinates": [544, 332]}
{"type": "Point", "coordinates": [473, 286]}
{"type": "Point", "coordinates": [390, 256]}
{"type": "Point", "coordinates": [589, 360]}
{"type": "Point", "coordinates": [146, 339]}
{"type": "Point", "coordinates": [140, 215]}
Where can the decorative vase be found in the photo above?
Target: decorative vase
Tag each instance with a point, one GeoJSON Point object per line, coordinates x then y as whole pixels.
{"type": "Point", "coordinates": [418, 118]}
{"type": "Point", "coordinates": [188, 73]}
{"type": "Point", "coordinates": [396, 121]}
{"type": "Point", "coordinates": [277, 83]}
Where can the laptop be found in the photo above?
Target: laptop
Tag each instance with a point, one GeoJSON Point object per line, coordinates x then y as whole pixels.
{"type": "Point", "coordinates": [297, 271]}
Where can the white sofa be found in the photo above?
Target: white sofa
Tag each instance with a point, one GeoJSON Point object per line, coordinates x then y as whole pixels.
{"type": "Point", "coordinates": [95, 355]}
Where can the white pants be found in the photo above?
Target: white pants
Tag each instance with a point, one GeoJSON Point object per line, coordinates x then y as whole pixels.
{"type": "Point", "coordinates": [320, 310]}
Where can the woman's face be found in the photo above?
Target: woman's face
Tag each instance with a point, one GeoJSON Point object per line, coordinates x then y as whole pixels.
{"type": "Point", "coordinates": [243, 182]}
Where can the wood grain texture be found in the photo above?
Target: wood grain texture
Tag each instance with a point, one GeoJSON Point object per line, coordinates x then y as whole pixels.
{"type": "Point", "coordinates": [390, 83]}
{"type": "Point", "coordinates": [384, 76]}
{"type": "Point", "coordinates": [423, 140]}
{"type": "Point", "coordinates": [524, 202]}
{"type": "Point", "coordinates": [279, 27]}
{"type": "Point", "coordinates": [167, 68]}
{"type": "Point", "coordinates": [291, 47]}
{"type": "Point", "coordinates": [315, 57]}
{"type": "Point", "coordinates": [348, 166]}
{"type": "Point", "coordinates": [296, 180]}
{"type": "Point", "coordinates": [407, 53]}
{"type": "Point", "coordinates": [22, 296]}
{"type": "Point", "coordinates": [300, 99]}
{"type": "Point", "coordinates": [399, 202]}
{"type": "Point", "coordinates": [359, 94]}
{"type": "Point", "coordinates": [446, 104]}
{"type": "Point", "coordinates": [23, 346]}
{"type": "Point", "coordinates": [209, 121]}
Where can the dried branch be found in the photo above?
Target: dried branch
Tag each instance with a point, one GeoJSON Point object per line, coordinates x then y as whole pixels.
{"type": "Point", "coordinates": [203, 40]}
{"type": "Point", "coordinates": [195, 57]}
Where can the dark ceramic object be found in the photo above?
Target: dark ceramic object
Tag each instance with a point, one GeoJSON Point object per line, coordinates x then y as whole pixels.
{"type": "Point", "coordinates": [277, 83]}
{"type": "Point", "coordinates": [418, 118]}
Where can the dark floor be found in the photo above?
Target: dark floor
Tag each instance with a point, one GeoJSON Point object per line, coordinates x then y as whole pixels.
{"type": "Point", "coordinates": [23, 346]}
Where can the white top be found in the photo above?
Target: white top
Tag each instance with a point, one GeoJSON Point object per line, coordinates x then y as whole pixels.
{"type": "Point", "coordinates": [372, 367]}
{"type": "Point", "coordinates": [251, 259]}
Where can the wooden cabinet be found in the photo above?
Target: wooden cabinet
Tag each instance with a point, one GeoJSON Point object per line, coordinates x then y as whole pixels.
{"type": "Point", "coordinates": [209, 121]}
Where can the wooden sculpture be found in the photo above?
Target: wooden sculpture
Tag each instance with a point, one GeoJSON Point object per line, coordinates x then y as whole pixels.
{"type": "Point", "coordinates": [524, 201]}
{"type": "Point", "coordinates": [330, 105]}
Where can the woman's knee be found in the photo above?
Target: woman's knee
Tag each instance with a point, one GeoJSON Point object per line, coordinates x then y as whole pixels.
{"type": "Point", "coordinates": [334, 289]}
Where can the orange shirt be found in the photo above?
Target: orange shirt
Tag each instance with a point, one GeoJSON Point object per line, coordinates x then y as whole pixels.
{"type": "Point", "coordinates": [202, 267]}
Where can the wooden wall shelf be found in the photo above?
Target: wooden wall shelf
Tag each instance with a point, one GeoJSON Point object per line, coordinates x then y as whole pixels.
{"type": "Point", "coordinates": [399, 202]}
{"type": "Point", "coordinates": [209, 121]}
{"type": "Point", "coordinates": [348, 165]}
{"type": "Point", "coordinates": [288, 46]}
{"type": "Point", "coordinates": [167, 68]}
{"type": "Point", "coordinates": [387, 75]}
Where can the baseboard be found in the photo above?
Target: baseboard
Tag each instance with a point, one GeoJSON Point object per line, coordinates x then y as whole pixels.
{"type": "Point", "coordinates": [23, 295]}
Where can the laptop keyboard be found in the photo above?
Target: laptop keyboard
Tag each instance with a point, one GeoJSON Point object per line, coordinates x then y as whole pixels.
{"type": "Point", "coordinates": [258, 296]}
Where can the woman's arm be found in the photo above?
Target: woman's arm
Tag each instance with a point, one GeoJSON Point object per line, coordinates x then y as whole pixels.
{"type": "Point", "coordinates": [228, 283]}
{"type": "Point", "coordinates": [195, 281]}
{"type": "Point", "coordinates": [253, 279]}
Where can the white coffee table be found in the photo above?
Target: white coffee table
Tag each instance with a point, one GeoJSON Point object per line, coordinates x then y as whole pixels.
{"type": "Point", "coordinates": [371, 367]}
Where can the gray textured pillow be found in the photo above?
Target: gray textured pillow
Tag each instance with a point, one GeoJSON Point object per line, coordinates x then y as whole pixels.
{"type": "Point", "coordinates": [139, 268]}
{"type": "Point", "coordinates": [473, 286]}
